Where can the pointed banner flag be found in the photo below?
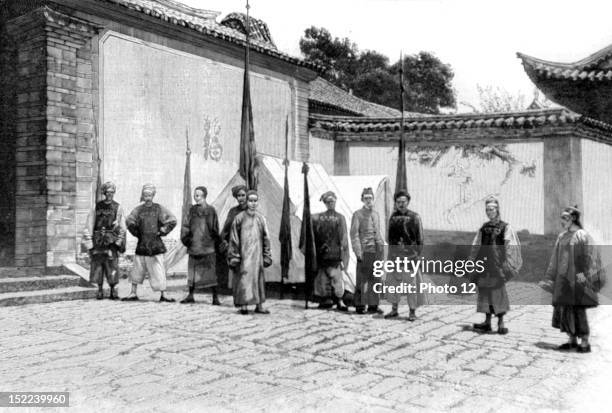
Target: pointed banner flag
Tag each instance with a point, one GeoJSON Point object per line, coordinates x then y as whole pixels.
{"type": "Point", "coordinates": [187, 181]}
{"type": "Point", "coordinates": [176, 253]}
{"type": "Point", "coordinates": [307, 245]}
{"type": "Point", "coordinates": [284, 235]}
{"type": "Point", "coordinates": [248, 167]}
{"type": "Point", "coordinates": [401, 180]}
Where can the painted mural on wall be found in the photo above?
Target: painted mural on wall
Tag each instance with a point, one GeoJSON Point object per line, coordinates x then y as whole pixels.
{"type": "Point", "coordinates": [450, 183]}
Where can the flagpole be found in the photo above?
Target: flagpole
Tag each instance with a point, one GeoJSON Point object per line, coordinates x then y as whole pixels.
{"type": "Point", "coordinates": [286, 163]}
{"type": "Point", "coordinates": [401, 180]}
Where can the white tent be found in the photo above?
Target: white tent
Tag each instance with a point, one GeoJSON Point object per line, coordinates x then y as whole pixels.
{"type": "Point", "coordinates": [271, 181]}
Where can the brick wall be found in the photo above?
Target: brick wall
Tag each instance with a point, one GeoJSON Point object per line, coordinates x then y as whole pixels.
{"type": "Point", "coordinates": [30, 140]}
{"type": "Point", "coordinates": [54, 131]}
{"type": "Point", "coordinates": [69, 135]}
{"type": "Point", "coordinates": [8, 114]}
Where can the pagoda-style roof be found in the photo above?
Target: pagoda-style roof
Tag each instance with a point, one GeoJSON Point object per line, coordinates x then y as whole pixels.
{"type": "Point", "coordinates": [520, 126]}
{"type": "Point", "coordinates": [258, 29]}
{"type": "Point", "coordinates": [584, 86]}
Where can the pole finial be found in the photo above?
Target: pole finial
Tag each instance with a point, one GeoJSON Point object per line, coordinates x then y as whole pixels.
{"type": "Point", "coordinates": [188, 149]}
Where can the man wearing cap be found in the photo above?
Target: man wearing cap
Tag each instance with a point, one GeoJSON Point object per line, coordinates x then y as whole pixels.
{"type": "Point", "coordinates": [104, 238]}
{"type": "Point", "coordinates": [200, 234]}
{"type": "Point", "coordinates": [497, 245]}
{"type": "Point", "coordinates": [149, 222]}
{"type": "Point", "coordinates": [239, 193]}
{"type": "Point", "coordinates": [368, 247]}
{"type": "Point", "coordinates": [248, 255]}
{"type": "Point", "coordinates": [405, 241]}
{"type": "Point", "coordinates": [331, 244]}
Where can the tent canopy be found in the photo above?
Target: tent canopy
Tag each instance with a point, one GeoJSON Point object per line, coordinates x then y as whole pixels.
{"type": "Point", "coordinates": [270, 187]}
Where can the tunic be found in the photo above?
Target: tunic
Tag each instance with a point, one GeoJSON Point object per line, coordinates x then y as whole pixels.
{"type": "Point", "coordinates": [248, 254]}
{"type": "Point", "coordinates": [405, 239]}
{"type": "Point", "coordinates": [331, 243]}
{"type": "Point", "coordinates": [149, 224]}
{"type": "Point", "coordinates": [200, 234]}
{"type": "Point", "coordinates": [368, 244]}
{"type": "Point", "coordinates": [497, 245]}
{"type": "Point", "coordinates": [223, 271]}
{"type": "Point", "coordinates": [574, 252]}
{"type": "Point", "coordinates": [105, 237]}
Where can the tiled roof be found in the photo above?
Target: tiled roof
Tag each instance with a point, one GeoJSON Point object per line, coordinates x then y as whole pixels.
{"type": "Point", "coordinates": [513, 120]}
{"type": "Point", "coordinates": [325, 93]}
{"type": "Point", "coordinates": [594, 68]}
{"type": "Point", "coordinates": [258, 29]}
{"type": "Point", "coordinates": [204, 22]}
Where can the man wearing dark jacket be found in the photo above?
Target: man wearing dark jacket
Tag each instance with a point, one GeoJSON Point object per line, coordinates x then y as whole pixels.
{"type": "Point", "coordinates": [200, 234]}
{"type": "Point", "coordinates": [149, 222]}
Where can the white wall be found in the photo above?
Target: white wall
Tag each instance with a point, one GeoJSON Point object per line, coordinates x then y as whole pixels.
{"type": "Point", "coordinates": [446, 202]}
{"type": "Point", "coordinates": [151, 95]}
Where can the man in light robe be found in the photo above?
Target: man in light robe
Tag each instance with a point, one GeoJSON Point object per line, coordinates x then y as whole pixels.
{"type": "Point", "coordinates": [104, 238]}
{"type": "Point", "coordinates": [200, 234]}
{"type": "Point", "coordinates": [149, 222]}
{"type": "Point", "coordinates": [405, 241]}
{"type": "Point", "coordinates": [248, 255]}
{"type": "Point", "coordinates": [497, 245]}
{"type": "Point", "coordinates": [368, 247]}
{"type": "Point", "coordinates": [331, 242]}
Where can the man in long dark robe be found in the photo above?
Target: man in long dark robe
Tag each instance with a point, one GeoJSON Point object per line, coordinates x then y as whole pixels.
{"type": "Point", "coordinates": [104, 238]}
{"type": "Point", "coordinates": [497, 245]}
{"type": "Point", "coordinates": [405, 241]}
{"type": "Point", "coordinates": [148, 222]}
{"type": "Point", "coordinates": [200, 234]}
{"type": "Point", "coordinates": [368, 247]}
{"type": "Point", "coordinates": [248, 255]}
{"type": "Point", "coordinates": [223, 271]}
{"type": "Point", "coordinates": [574, 276]}
{"type": "Point", "coordinates": [331, 243]}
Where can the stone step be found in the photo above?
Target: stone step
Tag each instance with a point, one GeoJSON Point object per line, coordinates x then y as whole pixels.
{"type": "Point", "coordinates": [16, 284]}
{"type": "Point", "coordinates": [13, 272]}
{"type": "Point", "coordinates": [47, 296]}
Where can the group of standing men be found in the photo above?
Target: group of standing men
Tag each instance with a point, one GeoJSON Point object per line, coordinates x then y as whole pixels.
{"type": "Point", "coordinates": [243, 244]}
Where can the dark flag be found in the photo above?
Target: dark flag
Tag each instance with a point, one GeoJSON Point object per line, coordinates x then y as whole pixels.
{"type": "Point", "coordinates": [247, 168]}
{"type": "Point", "coordinates": [187, 181]}
{"type": "Point", "coordinates": [307, 245]}
{"type": "Point", "coordinates": [284, 235]}
{"type": "Point", "coordinates": [401, 180]}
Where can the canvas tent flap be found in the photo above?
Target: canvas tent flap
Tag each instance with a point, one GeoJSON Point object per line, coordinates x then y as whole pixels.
{"type": "Point", "coordinates": [271, 181]}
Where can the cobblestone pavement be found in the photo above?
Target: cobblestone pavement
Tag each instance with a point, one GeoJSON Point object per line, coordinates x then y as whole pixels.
{"type": "Point", "coordinates": [149, 356]}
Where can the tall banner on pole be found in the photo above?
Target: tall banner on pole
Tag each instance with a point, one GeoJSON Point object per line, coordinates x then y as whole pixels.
{"type": "Point", "coordinates": [248, 167]}
{"type": "Point", "coordinates": [401, 179]}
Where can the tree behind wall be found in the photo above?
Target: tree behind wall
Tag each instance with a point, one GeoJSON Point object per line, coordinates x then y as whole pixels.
{"type": "Point", "coordinates": [370, 76]}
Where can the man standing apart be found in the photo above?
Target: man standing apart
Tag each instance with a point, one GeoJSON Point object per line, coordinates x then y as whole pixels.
{"type": "Point", "coordinates": [104, 238]}
{"type": "Point", "coordinates": [405, 241]}
{"type": "Point", "coordinates": [331, 242]}
{"type": "Point", "coordinates": [149, 222]}
{"type": "Point", "coordinates": [200, 234]}
{"type": "Point", "coordinates": [497, 245]}
{"type": "Point", "coordinates": [368, 247]}
{"type": "Point", "coordinates": [248, 255]}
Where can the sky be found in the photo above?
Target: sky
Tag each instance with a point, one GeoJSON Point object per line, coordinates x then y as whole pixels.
{"type": "Point", "coordinates": [478, 38]}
